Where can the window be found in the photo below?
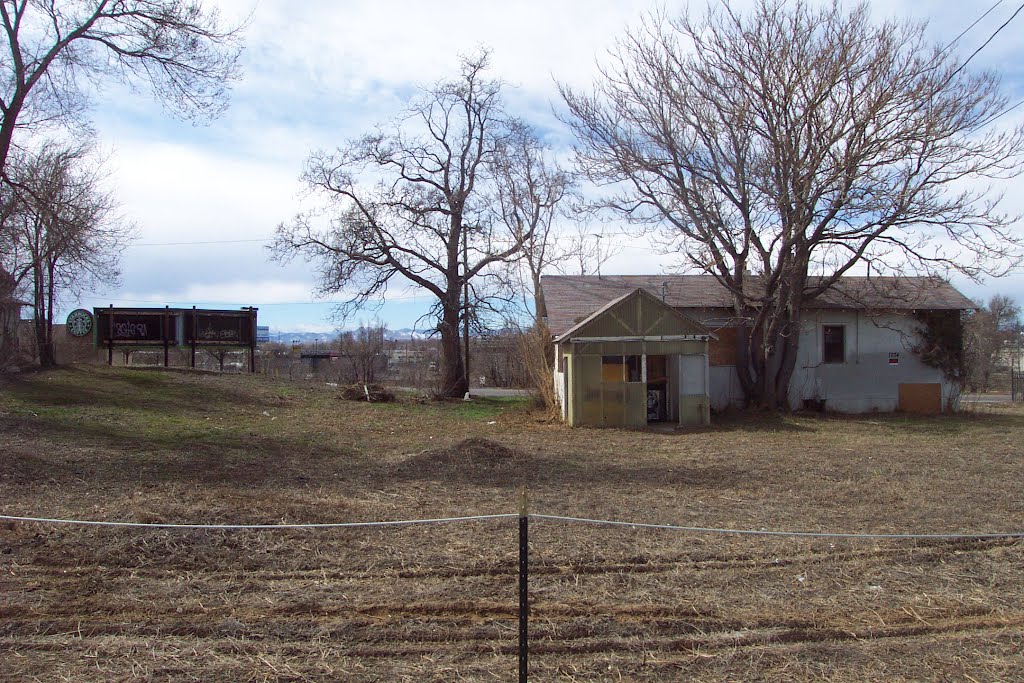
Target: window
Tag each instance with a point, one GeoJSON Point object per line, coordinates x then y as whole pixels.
{"type": "Point", "coordinates": [833, 344]}
{"type": "Point", "coordinates": [620, 369]}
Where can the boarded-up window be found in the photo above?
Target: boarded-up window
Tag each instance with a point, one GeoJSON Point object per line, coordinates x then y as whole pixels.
{"type": "Point", "coordinates": [722, 351]}
{"type": "Point", "coordinates": [620, 368]}
{"type": "Point", "coordinates": [833, 344]}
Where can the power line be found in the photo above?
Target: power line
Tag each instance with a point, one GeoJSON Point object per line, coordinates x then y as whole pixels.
{"type": "Point", "coordinates": [189, 244]}
{"type": "Point", "coordinates": [973, 24]}
{"type": "Point", "coordinates": [983, 45]}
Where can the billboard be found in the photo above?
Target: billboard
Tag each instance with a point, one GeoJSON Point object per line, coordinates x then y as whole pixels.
{"type": "Point", "coordinates": [183, 327]}
{"type": "Point", "coordinates": [262, 334]}
{"type": "Point", "coordinates": [232, 328]}
{"type": "Point", "coordinates": [124, 326]}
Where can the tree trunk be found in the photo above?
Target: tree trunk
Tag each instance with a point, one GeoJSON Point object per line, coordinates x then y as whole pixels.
{"type": "Point", "coordinates": [766, 361]}
{"type": "Point", "coordinates": [8, 318]}
{"type": "Point", "coordinates": [44, 350]}
{"type": "Point", "coordinates": [540, 306]}
{"type": "Point", "coordinates": [51, 350]}
{"type": "Point", "coordinates": [453, 376]}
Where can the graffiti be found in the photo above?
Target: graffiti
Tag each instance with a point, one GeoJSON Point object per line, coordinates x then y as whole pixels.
{"type": "Point", "coordinates": [130, 330]}
{"type": "Point", "coordinates": [209, 333]}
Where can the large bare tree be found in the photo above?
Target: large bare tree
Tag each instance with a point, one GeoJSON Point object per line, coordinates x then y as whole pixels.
{"type": "Point", "coordinates": [66, 232]}
{"type": "Point", "coordinates": [411, 203]}
{"type": "Point", "coordinates": [56, 51]}
{"type": "Point", "coordinates": [783, 147]}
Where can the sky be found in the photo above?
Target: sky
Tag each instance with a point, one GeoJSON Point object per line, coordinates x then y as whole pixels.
{"type": "Point", "coordinates": [206, 199]}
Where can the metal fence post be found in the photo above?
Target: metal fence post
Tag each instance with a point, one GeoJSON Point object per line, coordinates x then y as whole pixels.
{"type": "Point", "coordinates": [524, 595]}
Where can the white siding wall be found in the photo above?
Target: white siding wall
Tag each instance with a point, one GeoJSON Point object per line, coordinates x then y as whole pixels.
{"type": "Point", "coordinates": [866, 380]}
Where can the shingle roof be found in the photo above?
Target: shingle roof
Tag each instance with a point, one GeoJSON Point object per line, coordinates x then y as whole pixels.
{"type": "Point", "coordinates": [570, 298]}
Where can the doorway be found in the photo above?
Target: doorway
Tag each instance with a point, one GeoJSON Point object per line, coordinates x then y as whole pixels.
{"type": "Point", "coordinates": [657, 389]}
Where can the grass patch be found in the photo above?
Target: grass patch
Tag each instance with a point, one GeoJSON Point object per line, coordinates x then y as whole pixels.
{"type": "Point", "coordinates": [438, 603]}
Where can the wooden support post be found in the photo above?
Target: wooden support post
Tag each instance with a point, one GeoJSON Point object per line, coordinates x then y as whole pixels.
{"type": "Point", "coordinates": [195, 331]}
{"type": "Point", "coordinates": [524, 576]}
{"type": "Point", "coordinates": [166, 321]}
{"type": "Point", "coordinates": [110, 336]}
{"type": "Point", "coordinates": [252, 340]}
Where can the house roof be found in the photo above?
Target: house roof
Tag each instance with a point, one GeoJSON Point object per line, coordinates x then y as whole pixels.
{"type": "Point", "coordinates": [571, 298]}
{"type": "Point", "coordinates": [692, 326]}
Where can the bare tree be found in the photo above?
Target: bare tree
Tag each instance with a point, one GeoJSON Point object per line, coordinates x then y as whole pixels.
{"type": "Point", "coordinates": [67, 233]}
{"type": "Point", "coordinates": [362, 352]}
{"type": "Point", "coordinates": [988, 332]}
{"type": "Point", "coordinates": [783, 147]}
{"type": "Point", "coordinates": [409, 204]}
{"type": "Point", "coordinates": [55, 50]}
{"type": "Point", "coordinates": [585, 252]}
{"type": "Point", "coordinates": [531, 191]}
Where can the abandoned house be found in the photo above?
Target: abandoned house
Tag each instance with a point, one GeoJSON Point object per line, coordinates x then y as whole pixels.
{"type": "Point", "coordinates": [635, 349]}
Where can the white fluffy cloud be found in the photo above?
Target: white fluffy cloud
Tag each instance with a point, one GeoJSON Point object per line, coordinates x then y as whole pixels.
{"type": "Point", "coordinates": [320, 72]}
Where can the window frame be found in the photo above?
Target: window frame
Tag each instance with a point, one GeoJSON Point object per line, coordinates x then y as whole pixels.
{"type": "Point", "coordinates": [826, 358]}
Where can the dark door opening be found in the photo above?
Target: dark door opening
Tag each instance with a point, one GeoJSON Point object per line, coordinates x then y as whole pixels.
{"type": "Point", "coordinates": [657, 388]}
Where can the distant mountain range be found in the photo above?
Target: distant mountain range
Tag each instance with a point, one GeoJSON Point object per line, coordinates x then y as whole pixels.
{"type": "Point", "coordinates": [285, 337]}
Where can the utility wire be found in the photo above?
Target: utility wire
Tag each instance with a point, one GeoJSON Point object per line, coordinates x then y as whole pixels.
{"type": "Point", "coordinates": [973, 24]}
{"type": "Point", "coordinates": [189, 244]}
{"type": "Point", "coordinates": [983, 45]}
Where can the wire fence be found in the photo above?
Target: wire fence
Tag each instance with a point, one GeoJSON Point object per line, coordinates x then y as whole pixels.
{"type": "Point", "coordinates": [532, 516]}
{"type": "Point", "coordinates": [524, 517]}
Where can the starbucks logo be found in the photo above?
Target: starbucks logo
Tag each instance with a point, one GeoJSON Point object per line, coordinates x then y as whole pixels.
{"type": "Point", "coordinates": [79, 322]}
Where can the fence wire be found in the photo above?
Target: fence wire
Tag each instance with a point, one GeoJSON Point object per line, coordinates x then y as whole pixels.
{"type": "Point", "coordinates": [541, 517]}
{"type": "Point", "coordinates": [283, 526]}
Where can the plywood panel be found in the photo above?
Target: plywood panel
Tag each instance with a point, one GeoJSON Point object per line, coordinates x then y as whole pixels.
{"type": "Point", "coordinates": [925, 399]}
{"type": "Point", "coordinates": [722, 351]}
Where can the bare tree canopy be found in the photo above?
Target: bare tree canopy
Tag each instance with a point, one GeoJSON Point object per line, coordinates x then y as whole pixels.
{"type": "Point", "coordinates": [783, 147]}
{"type": "Point", "coordinates": [413, 203]}
{"type": "Point", "coordinates": [55, 50]}
{"type": "Point", "coordinates": [64, 232]}
{"type": "Point", "coordinates": [990, 333]}
{"type": "Point", "coordinates": [531, 194]}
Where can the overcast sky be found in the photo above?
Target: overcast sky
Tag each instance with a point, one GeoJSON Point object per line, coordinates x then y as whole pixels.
{"type": "Point", "coordinates": [320, 72]}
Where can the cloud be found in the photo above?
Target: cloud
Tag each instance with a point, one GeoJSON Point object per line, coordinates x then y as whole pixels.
{"type": "Point", "coordinates": [320, 72]}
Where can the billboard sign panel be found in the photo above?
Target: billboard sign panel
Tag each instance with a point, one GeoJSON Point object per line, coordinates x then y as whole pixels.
{"type": "Point", "coordinates": [134, 327]}
{"type": "Point", "coordinates": [262, 334]}
{"type": "Point", "coordinates": [219, 327]}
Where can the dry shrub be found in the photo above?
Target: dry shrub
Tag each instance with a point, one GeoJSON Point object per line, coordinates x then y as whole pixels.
{"type": "Point", "coordinates": [535, 352]}
{"type": "Point", "coordinates": [374, 393]}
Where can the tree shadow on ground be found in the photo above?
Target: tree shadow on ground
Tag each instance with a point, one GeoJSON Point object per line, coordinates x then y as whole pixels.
{"type": "Point", "coordinates": [90, 388]}
{"type": "Point", "coordinates": [483, 462]}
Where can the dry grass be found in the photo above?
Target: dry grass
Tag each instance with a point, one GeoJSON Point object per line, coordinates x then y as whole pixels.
{"type": "Point", "coordinates": [438, 603]}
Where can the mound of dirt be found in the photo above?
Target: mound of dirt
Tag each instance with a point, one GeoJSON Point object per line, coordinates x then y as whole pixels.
{"type": "Point", "coordinates": [474, 460]}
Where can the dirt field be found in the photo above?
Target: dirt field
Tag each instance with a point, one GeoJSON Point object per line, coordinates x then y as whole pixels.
{"type": "Point", "coordinates": [438, 603]}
